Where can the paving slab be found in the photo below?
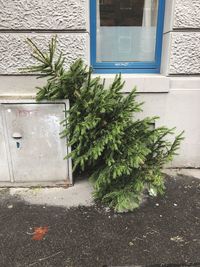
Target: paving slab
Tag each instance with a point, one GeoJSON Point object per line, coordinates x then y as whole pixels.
{"type": "Point", "coordinates": [80, 194]}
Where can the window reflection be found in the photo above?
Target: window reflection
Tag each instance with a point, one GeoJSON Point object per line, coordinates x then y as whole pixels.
{"type": "Point", "coordinates": [126, 30]}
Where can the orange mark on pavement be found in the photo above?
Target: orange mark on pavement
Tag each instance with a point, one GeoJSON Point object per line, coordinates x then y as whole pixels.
{"type": "Point", "coordinates": [40, 232]}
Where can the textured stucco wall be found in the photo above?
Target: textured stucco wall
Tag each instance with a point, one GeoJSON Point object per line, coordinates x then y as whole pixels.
{"type": "Point", "coordinates": [18, 19]}
{"type": "Point", "coordinates": [187, 14]}
{"type": "Point", "coordinates": [181, 47]}
{"type": "Point", "coordinates": [15, 53]}
{"type": "Point", "coordinates": [185, 53]}
{"type": "Point", "coordinates": [63, 15]}
{"type": "Point", "coordinates": [42, 14]}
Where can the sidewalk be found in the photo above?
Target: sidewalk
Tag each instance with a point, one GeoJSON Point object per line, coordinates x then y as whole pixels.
{"type": "Point", "coordinates": [48, 227]}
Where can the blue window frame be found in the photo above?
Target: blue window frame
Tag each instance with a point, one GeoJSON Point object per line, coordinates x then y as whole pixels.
{"type": "Point", "coordinates": [123, 65]}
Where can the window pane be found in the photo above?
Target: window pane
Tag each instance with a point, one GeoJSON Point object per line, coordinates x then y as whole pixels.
{"type": "Point", "coordinates": [126, 30]}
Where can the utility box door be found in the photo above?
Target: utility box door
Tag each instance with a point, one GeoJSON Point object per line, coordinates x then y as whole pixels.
{"type": "Point", "coordinates": [37, 152]}
{"type": "Point", "coordinates": [4, 168]}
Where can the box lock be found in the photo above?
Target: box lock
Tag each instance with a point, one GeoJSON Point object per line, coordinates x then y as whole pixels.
{"type": "Point", "coordinates": [17, 136]}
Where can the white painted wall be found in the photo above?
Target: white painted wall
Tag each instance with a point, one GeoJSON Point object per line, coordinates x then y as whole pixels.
{"type": "Point", "coordinates": [178, 108]}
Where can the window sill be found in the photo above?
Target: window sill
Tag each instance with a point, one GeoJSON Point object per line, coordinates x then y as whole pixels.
{"type": "Point", "coordinates": [145, 83]}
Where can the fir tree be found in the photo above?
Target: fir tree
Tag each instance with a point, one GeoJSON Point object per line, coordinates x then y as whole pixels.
{"type": "Point", "coordinates": [125, 155]}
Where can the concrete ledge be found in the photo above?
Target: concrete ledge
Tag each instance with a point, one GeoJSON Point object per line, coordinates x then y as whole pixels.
{"type": "Point", "coordinates": [25, 86]}
{"type": "Point", "coordinates": [19, 85]}
{"type": "Point", "coordinates": [194, 173]}
{"type": "Point", "coordinates": [186, 82]}
{"type": "Point", "coordinates": [148, 83]}
{"type": "Point", "coordinates": [5, 98]}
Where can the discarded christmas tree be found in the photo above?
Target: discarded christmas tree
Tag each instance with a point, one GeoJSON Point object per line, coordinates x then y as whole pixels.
{"type": "Point", "coordinates": [125, 155]}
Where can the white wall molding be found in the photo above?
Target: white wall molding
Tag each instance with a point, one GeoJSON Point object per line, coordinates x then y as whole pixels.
{"type": "Point", "coordinates": [145, 83]}
{"type": "Point", "coordinates": [169, 15]}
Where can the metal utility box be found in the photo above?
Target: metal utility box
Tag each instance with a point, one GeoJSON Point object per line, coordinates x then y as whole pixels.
{"type": "Point", "coordinates": [31, 149]}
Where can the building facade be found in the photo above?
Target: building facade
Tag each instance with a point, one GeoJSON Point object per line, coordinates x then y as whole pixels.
{"type": "Point", "coordinates": [172, 92]}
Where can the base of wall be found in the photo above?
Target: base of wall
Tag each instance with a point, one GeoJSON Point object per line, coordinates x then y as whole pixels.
{"type": "Point", "coordinates": [177, 105]}
{"type": "Point", "coordinates": [180, 109]}
{"type": "Point", "coordinates": [194, 173]}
